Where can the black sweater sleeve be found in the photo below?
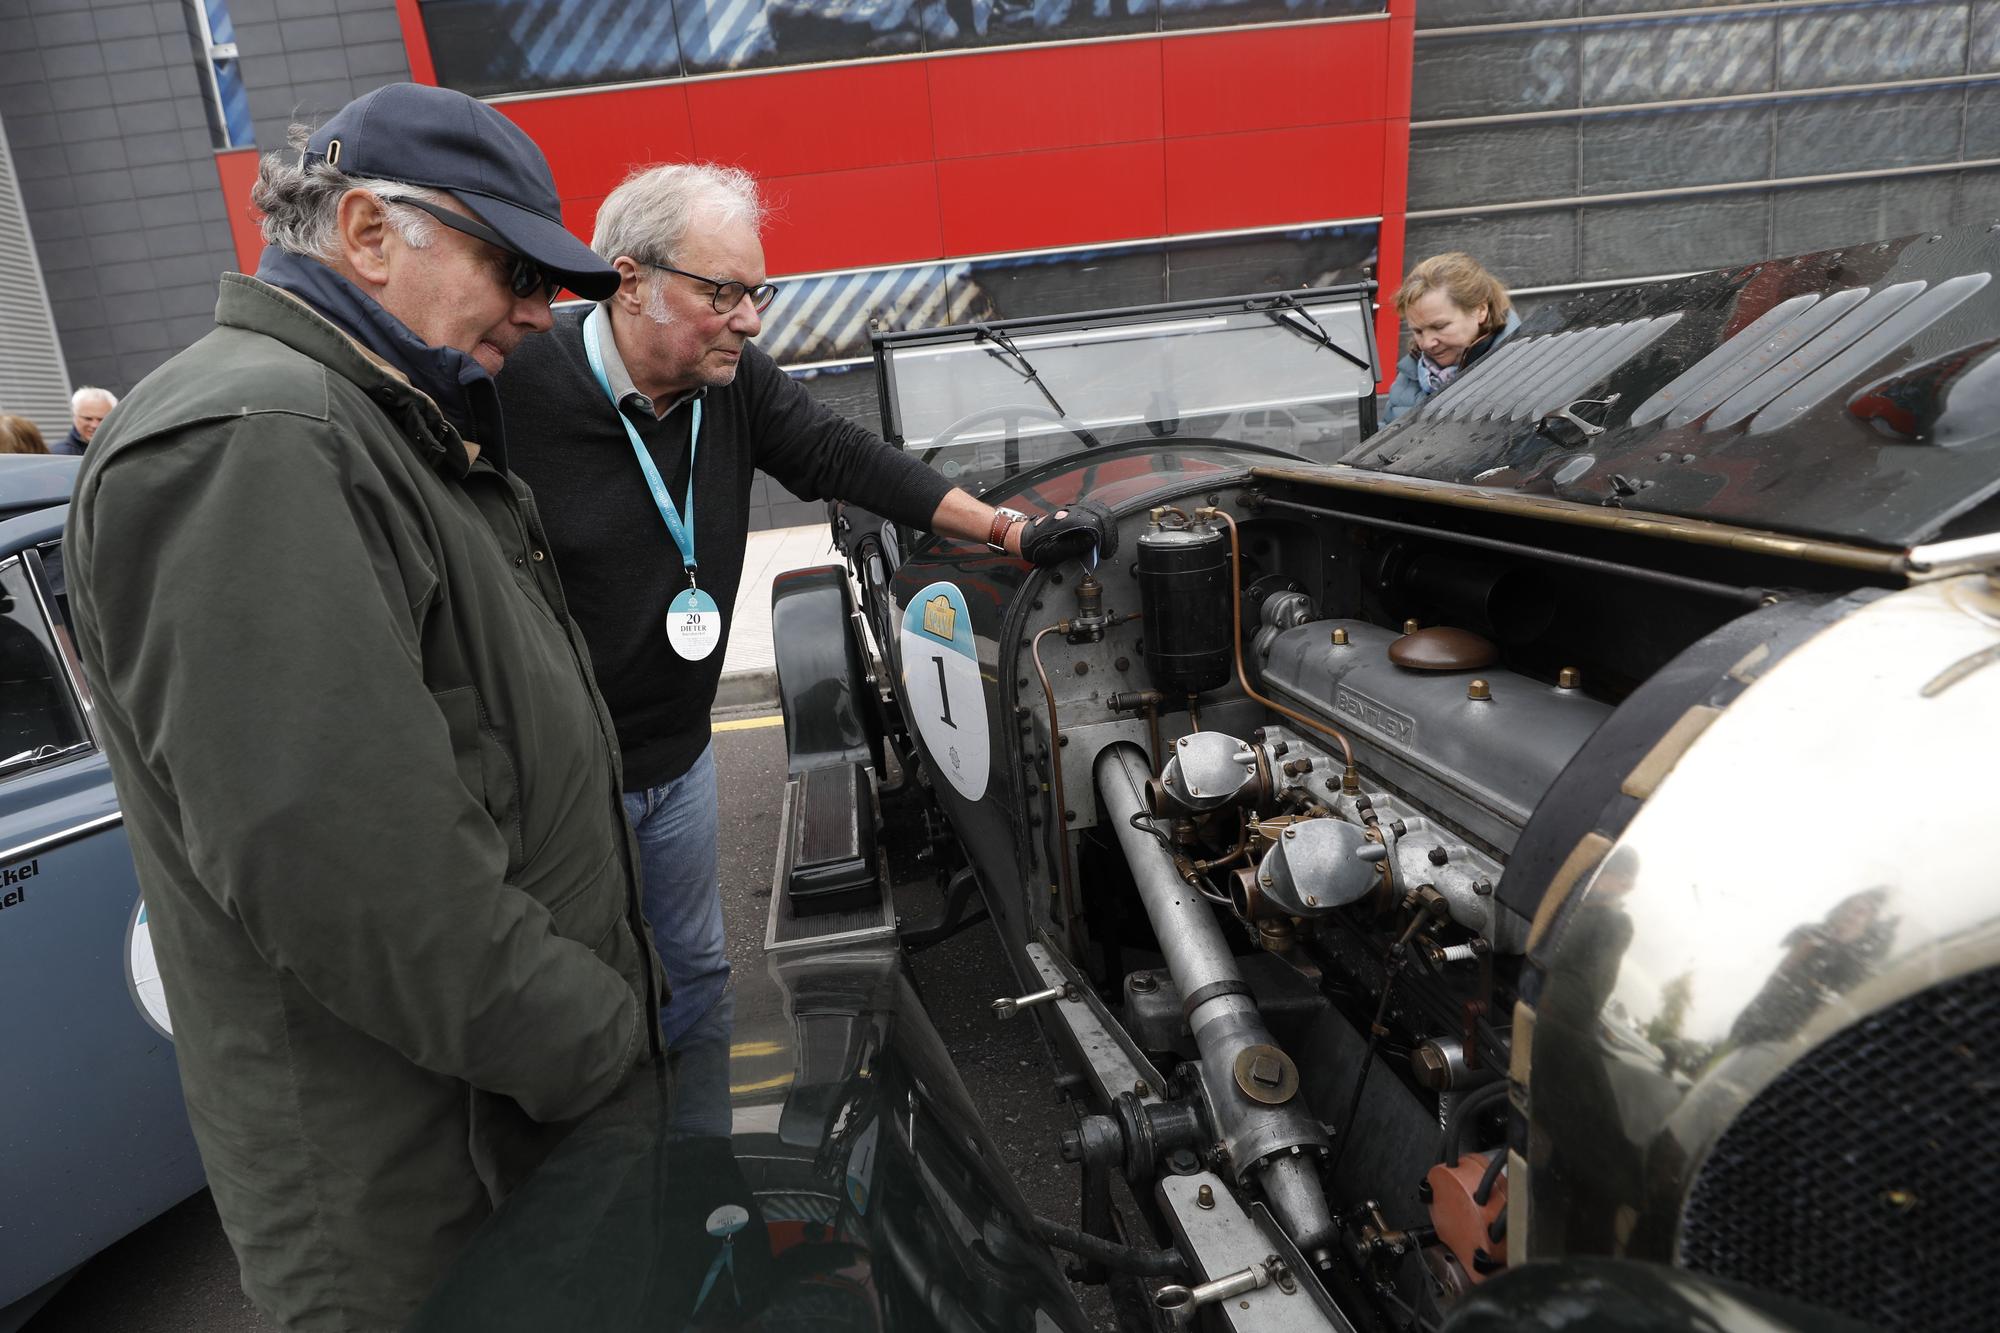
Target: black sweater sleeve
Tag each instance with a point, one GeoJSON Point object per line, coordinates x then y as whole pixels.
{"type": "Point", "coordinates": [821, 456]}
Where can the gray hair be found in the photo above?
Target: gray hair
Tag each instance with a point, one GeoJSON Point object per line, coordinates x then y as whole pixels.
{"type": "Point", "coordinates": [300, 201]}
{"type": "Point", "coordinates": [86, 392]}
{"type": "Point", "coordinates": [647, 216]}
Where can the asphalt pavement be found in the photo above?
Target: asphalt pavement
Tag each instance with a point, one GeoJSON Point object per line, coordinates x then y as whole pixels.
{"type": "Point", "coordinates": [177, 1275]}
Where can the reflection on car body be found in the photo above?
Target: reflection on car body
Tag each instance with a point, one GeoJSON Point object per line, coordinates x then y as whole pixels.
{"type": "Point", "coordinates": [858, 1190]}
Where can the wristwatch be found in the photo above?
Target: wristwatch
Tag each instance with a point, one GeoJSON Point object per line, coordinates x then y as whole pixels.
{"type": "Point", "coordinates": [1003, 523]}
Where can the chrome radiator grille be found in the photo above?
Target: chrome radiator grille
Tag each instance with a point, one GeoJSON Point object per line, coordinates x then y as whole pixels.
{"type": "Point", "coordinates": [1865, 1178]}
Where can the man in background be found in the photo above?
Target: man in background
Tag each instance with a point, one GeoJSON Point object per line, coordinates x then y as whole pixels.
{"type": "Point", "coordinates": [88, 407]}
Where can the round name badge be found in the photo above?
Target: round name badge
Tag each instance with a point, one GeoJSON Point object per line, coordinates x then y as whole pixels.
{"type": "Point", "coordinates": [694, 624]}
{"type": "Point", "coordinates": [727, 1220]}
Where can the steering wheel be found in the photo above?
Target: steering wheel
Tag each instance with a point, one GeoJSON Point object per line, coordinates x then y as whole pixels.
{"type": "Point", "coordinates": [1011, 417]}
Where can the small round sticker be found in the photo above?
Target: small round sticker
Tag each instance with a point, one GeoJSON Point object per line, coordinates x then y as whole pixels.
{"type": "Point", "coordinates": [694, 624]}
{"type": "Point", "coordinates": [143, 971]}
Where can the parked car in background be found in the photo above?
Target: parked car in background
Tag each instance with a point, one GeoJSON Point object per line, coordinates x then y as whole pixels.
{"type": "Point", "coordinates": [1295, 426]}
{"type": "Point", "coordinates": [93, 1134]}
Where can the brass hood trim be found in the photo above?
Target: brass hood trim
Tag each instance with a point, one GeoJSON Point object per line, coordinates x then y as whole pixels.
{"type": "Point", "coordinates": [1696, 532]}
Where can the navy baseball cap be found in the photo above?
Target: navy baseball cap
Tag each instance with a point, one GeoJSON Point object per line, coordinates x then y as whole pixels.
{"type": "Point", "coordinates": [419, 135]}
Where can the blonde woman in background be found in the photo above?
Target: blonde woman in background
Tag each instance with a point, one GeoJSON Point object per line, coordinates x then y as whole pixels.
{"type": "Point", "coordinates": [18, 435]}
{"type": "Point", "coordinates": [1457, 313]}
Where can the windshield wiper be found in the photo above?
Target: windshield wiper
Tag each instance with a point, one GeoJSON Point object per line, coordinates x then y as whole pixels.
{"type": "Point", "coordinates": [1025, 370]}
{"type": "Point", "coordinates": [1282, 308]}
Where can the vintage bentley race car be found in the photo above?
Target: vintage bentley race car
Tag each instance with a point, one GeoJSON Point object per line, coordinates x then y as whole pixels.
{"type": "Point", "coordinates": [1530, 868]}
{"type": "Point", "coordinates": [1553, 831]}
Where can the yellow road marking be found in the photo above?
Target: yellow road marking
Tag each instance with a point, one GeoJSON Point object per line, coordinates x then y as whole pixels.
{"type": "Point", "coordinates": [745, 723]}
{"type": "Point", "coordinates": [754, 1048]}
{"type": "Point", "coordinates": [762, 1085]}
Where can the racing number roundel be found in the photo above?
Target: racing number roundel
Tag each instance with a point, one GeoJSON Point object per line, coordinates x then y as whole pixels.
{"type": "Point", "coordinates": [941, 684]}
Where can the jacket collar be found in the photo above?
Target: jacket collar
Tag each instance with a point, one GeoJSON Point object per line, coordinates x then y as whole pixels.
{"type": "Point", "coordinates": [627, 395]}
{"type": "Point", "coordinates": [458, 384]}
{"type": "Point", "coordinates": [244, 302]}
{"type": "Point", "coordinates": [1493, 340]}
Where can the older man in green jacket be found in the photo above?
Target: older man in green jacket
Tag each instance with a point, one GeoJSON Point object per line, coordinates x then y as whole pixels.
{"type": "Point", "coordinates": [372, 793]}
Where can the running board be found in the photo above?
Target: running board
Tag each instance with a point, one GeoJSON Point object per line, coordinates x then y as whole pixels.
{"type": "Point", "coordinates": [826, 888]}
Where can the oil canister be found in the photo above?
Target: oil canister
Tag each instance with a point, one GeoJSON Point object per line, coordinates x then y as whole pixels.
{"type": "Point", "coordinates": [1184, 593]}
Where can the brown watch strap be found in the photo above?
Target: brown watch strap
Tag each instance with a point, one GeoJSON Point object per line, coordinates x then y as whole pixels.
{"type": "Point", "coordinates": [996, 535]}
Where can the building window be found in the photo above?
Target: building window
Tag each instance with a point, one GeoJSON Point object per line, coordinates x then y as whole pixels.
{"type": "Point", "coordinates": [487, 47]}
{"type": "Point", "coordinates": [228, 102]}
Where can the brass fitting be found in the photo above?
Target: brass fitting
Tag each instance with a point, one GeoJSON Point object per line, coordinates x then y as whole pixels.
{"type": "Point", "coordinates": [1275, 935]}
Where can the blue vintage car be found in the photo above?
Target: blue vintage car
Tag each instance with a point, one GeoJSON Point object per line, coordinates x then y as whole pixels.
{"type": "Point", "coordinates": [92, 1130]}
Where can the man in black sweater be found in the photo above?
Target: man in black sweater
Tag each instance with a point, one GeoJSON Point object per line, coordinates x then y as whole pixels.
{"type": "Point", "coordinates": [647, 506]}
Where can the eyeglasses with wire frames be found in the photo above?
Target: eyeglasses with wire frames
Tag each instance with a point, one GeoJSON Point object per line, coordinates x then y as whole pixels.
{"type": "Point", "coordinates": [525, 278]}
{"type": "Point", "coordinates": [726, 295]}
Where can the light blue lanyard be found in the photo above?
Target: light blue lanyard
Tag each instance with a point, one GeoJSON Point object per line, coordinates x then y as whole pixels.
{"type": "Point", "coordinates": [724, 1262]}
{"type": "Point", "coordinates": [682, 533]}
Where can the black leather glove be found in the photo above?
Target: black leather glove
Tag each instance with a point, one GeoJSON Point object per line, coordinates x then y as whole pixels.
{"type": "Point", "coordinates": [1069, 534]}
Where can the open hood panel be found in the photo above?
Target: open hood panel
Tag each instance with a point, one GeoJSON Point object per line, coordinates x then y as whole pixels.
{"type": "Point", "coordinates": [1847, 394]}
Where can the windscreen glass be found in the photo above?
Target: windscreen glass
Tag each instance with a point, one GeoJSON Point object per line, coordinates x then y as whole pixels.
{"type": "Point", "coordinates": [990, 401]}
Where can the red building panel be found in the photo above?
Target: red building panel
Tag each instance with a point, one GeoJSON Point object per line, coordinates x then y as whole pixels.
{"type": "Point", "coordinates": [593, 139]}
{"type": "Point", "coordinates": [1224, 182]}
{"type": "Point", "coordinates": [1389, 246]}
{"type": "Point", "coordinates": [1047, 146]}
{"type": "Point", "coordinates": [1065, 196]}
{"type": "Point", "coordinates": [852, 219]}
{"type": "Point", "coordinates": [1046, 97]}
{"type": "Point", "coordinates": [1398, 66]}
{"type": "Point", "coordinates": [580, 215]}
{"type": "Point", "coordinates": [416, 41]}
{"type": "Point", "coordinates": [833, 118]}
{"type": "Point", "coordinates": [236, 172]}
{"type": "Point", "coordinates": [1273, 78]}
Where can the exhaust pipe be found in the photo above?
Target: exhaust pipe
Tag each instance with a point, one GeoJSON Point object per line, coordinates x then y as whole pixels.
{"type": "Point", "coordinates": [1251, 1086]}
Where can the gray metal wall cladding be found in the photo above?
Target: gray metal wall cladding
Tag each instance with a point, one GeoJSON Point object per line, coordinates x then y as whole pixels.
{"type": "Point", "coordinates": [117, 170]}
{"type": "Point", "coordinates": [106, 114]}
{"type": "Point", "coordinates": [305, 59]}
{"type": "Point", "coordinates": [1814, 89]}
{"type": "Point", "coordinates": [33, 382]}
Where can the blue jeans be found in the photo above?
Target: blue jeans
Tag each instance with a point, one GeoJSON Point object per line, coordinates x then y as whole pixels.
{"type": "Point", "coordinates": [680, 878]}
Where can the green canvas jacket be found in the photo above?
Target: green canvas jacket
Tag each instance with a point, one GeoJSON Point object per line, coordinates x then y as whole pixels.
{"type": "Point", "coordinates": [372, 796]}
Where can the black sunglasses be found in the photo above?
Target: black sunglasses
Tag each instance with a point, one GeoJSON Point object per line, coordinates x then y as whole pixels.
{"type": "Point", "coordinates": [726, 294]}
{"type": "Point", "coordinates": [527, 277]}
